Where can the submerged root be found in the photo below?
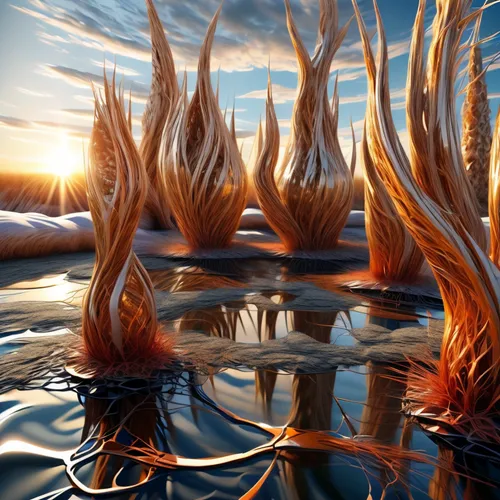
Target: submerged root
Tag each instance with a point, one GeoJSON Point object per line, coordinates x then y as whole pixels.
{"type": "Point", "coordinates": [201, 166]}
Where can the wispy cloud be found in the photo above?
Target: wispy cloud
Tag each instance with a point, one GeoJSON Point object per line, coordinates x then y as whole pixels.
{"type": "Point", "coordinates": [14, 123]}
{"type": "Point", "coordinates": [83, 79]}
{"type": "Point", "coordinates": [281, 94]}
{"type": "Point", "coordinates": [120, 70]}
{"type": "Point", "coordinates": [33, 93]}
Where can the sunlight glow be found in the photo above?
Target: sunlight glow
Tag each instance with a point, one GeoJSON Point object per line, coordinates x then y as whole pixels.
{"type": "Point", "coordinates": [62, 161]}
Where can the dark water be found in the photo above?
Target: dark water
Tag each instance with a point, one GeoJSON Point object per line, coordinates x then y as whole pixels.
{"type": "Point", "coordinates": [146, 441]}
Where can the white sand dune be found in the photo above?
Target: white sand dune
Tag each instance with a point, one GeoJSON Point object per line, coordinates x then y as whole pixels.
{"type": "Point", "coordinates": [34, 234]}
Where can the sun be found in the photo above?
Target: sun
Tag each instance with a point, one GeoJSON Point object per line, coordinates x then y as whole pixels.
{"type": "Point", "coordinates": [62, 161]}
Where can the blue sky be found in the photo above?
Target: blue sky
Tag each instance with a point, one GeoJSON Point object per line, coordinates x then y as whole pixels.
{"type": "Point", "coordinates": [51, 48]}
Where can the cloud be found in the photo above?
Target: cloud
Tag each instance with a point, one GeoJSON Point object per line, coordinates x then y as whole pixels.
{"type": "Point", "coordinates": [494, 95]}
{"type": "Point", "coordinates": [88, 114]}
{"type": "Point", "coordinates": [281, 94]}
{"type": "Point", "coordinates": [248, 31]}
{"type": "Point", "coordinates": [83, 79]}
{"type": "Point", "coordinates": [33, 93]}
{"type": "Point", "coordinates": [14, 123]}
{"type": "Point", "coordinates": [120, 70]}
{"type": "Point", "coordinates": [90, 31]}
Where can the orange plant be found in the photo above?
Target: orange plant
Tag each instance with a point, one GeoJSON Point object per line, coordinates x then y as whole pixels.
{"type": "Point", "coordinates": [161, 102]}
{"type": "Point", "coordinates": [394, 255]}
{"type": "Point", "coordinates": [202, 168]}
{"type": "Point", "coordinates": [463, 387]}
{"type": "Point", "coordinates": [310, 200]}
{"type": "Point", "coordinates": [119, 309]}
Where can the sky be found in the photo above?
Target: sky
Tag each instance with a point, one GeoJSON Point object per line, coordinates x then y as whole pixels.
{"type": "Point", "coordinates": [51, 49]}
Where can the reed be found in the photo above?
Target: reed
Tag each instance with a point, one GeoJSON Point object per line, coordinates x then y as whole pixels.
{"type": "Point", "coordinates": [476, 128]}
{"type": "Point", "coordinates": [394, 255]}
{"type": "Point", "coordinates": [462, 388]}
{"type": "Point", "coordinates": [494, 194]}
{"type": "Point", "coordinates": [435, 153]}
{"type": "Point", "coordinates": [314, 183]}
{"type": "Point", "coordinates": [201, 166]}
{"type": "Point", "coordinates": [161, 102]}
{"type": "Point", "coordinates": [119, 325]}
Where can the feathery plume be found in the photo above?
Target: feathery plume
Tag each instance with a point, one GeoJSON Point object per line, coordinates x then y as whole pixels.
{"type": "Point", "coordinates": [494, 194]}
{"type": "Point", "coordinates": [463, 387]}
{"type": "Point", "coordinates": [119, 311]}
{"type": "Point", "coordinates": [162, 99]}
{"type": "Point", "coordinates": [201, 166]}
{"type": "Point", "coordinates": [314, 180]}
{"type": "Point", "coordinates": [394, 255]}
{"type": "Point", "coordinates": [435, 152]}
{"type": "Point", "coordinates": [476, 128]}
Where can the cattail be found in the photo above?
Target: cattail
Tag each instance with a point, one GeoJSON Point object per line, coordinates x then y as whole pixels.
{"type": "Point", "coordinates": [463, 386]}
{"type": "Point", "coordinates": [202, 168]}
{"type": "Point", "coordinates": [394, 255]}
{"type": "Point", "coordinates": [476, 129]}
{"type": "Point", "coordinates": [314, 181]}
{"type": "Point", "coordinates": [494, 194]}
{"type": "Point", "coordinates": [162, 100]}
{"type": "Point", "coordinates": [119, 311]}
{"type": "Point", "coordinates": [435, 153]}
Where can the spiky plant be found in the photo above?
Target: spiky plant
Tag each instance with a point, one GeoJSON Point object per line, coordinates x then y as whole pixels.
{"type": "Point", "coordinates": [476, 129]}
{"type": "Point", "coordinates": [394, 255]}
{"type": "Point", "coordinates": [119, 325]}
{"type": "Point", "coordinates": [201, 166]}
{"type": "Point", "coordinates": [435, 154]}
{"type": "Point", "coordinates": [162, 100]}
{"type": "Point", "coordinates": [463, 387]}
{"type": "Point", "coordinates": [494, 194]}
{"type": "Point", "coordinates": [308, 200]}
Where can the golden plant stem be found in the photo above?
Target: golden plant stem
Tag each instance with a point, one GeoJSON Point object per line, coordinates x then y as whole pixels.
{"type": "Point", "coordinates": [494, 194]}
{"type": "Point", "coordinates": [162, 100]}
{"type": "Point", "coordinates": [476, 129]}
{"type": "Point", "coordinates": [435, 152]}
{"type": "Point", "coordinates": [465, 385]}
{"type": "Point", "coordinates": [314, 181]}
{"type": "Point", "coordinates": [119, 311]}
{"type": "Point", "coordinates": [394, 255]}
{"type": "Point", "coordinates": [201, 166]}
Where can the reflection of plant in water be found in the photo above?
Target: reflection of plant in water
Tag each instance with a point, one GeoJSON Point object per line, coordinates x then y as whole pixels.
{"type": "Point", "coordinates": [463, 388]}
{"type": "Point", "coordinates": [129, 431]}
{"type": "Point", "coordinates": [119, 323]}
{"type": "Point", "coordinates": [463, 477]}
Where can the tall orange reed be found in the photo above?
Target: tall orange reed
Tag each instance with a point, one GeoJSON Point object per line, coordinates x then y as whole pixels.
{"type": "Point", "coordinates": [463, 386]}
{"type": "Point", "coordinates": [202, 168]}
{"type": "Point", "coordinates": [435, 152]}
{"type": "Point", "coordinates": [119, 310]}
{"type": "Point", "coordinates": [162, 100]}
{"type": "Point", "coordinates": [494, 194]}
{"type": "Point", "coordinates": [314, 182]}
{"type": "Point", "coordinates": [394, 255]}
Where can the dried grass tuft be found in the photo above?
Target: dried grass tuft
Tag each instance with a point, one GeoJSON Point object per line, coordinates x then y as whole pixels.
{"type": "Point", "coordinates": [394, 255]}
{"type": "Point", "coordinates": [201, 166]}
{"type": "Point", "coordinates": [162, 101]}
{"type": "Point", "coordinates": [119, 322]}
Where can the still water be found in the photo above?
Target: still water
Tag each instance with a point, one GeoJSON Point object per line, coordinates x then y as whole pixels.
{"type": "Point", "coordinates": [222, 436]}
